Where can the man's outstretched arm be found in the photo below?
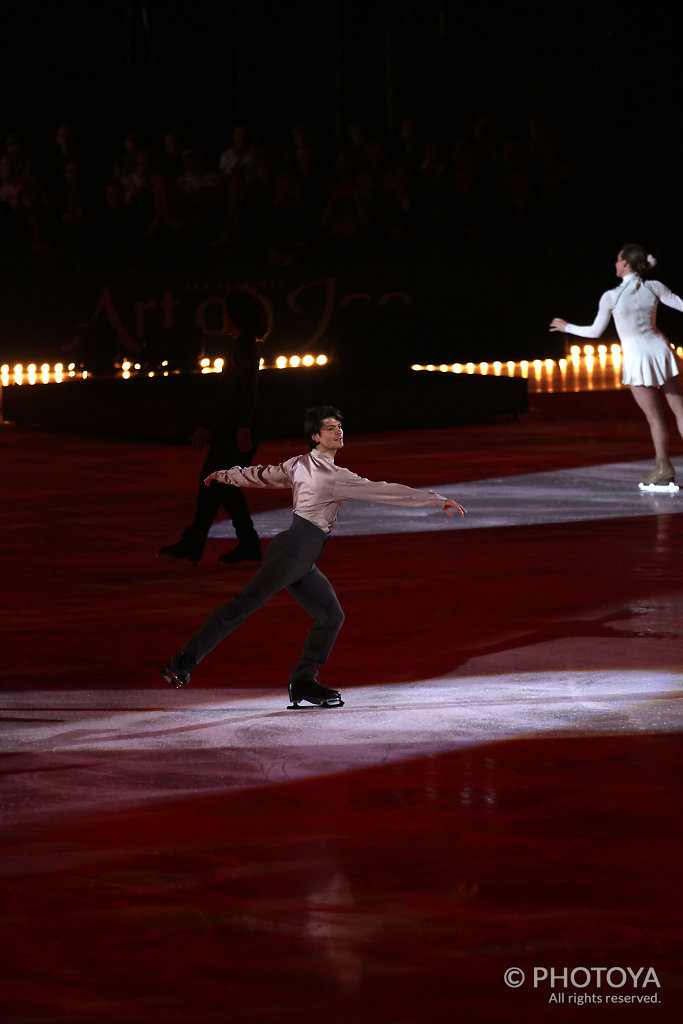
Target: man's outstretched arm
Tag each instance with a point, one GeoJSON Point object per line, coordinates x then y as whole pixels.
{"type": "Point", "coordinates": [350, 485]}
{"type": "Point", "coordinates": [251, 476]}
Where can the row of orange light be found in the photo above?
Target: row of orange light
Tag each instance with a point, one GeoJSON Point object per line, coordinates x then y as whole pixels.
{"type": "Point", "coordinates": [588, 354]}
{"type": "Point", "coordinates": [47, 374]}
{"type": "Point", "coordinates": [525, 366]}
{"type": "Point", "coordinates": [281, 363]}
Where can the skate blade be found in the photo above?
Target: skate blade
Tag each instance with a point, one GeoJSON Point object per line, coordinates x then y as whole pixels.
{"type": "Point", "coordinates": [296, 706]}
{"type": "Point", "coordinates": [170, 678]}
{"type": "Point", "coordinates": [669, 488]}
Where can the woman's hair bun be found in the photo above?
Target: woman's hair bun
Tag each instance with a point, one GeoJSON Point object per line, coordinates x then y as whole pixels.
{"type": "Point", "coordinates": [651, 261]}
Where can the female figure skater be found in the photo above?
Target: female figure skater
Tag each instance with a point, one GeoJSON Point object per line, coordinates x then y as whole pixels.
{"type": "Point", "coordinates": [318, 489]}
{"type": "Point", "coordinates": [649, 364]}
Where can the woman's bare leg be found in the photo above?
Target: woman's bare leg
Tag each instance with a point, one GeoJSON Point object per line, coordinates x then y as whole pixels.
{"type": "Point", "coordinates": [648, 400]}
{"type": "Point", "coordinates": [674, 396]}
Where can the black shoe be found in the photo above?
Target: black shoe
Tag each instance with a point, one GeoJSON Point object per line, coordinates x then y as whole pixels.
{"type": "Point", "coordinates": [179, 551]}
{"type": "Point", "coordinates": [177, 670]}
{"type": "Point", "coordinates": [242, 553]}
{"type": "Point", "coordinates": [314, 693]}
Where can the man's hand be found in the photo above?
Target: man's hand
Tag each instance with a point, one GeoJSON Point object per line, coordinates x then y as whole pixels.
{"type": "Point", "coordinates": [450, 504]}
{"type": "Point", "coordinates": [219, 477]}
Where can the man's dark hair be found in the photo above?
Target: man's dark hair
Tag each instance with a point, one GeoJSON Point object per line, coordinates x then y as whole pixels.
{"type": "Point", "coordinates": [249, 311]}
{"type": "Point", "coordinates": [314, 419]}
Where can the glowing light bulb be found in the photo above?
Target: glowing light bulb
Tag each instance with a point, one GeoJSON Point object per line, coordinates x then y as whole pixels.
{"type": "Point", "coordinates": [45, 368]}
{"type": "Point", "coordinates": [308, 360]}
{"type": "Point", "coordinates": [457, 367]}
{"type": "Point", "coordinates": [59, 368]}
{"type": "Point", "coordinates": [281, 362]}
{"type": "Point", "coordinates": [294, 360]}
{"type": "Point", "coordinates": [416, 367]}
{"type": "Point", "coordinates": [602, 349]}
{"type": "Point", "coordinates": [575, 350]}
{"type": "Point", "coordinates": [483, 367]}
{"type": "Point", "coordinates": [261, 363]}
{"type": "Point", "coordinates": [588, 350]}
{"type": "Point", "coordinates": [549, 364]}
{"type": "Point", "coordinates": [218, 364]}
{"type": "Point", "coordinates": [321, 360]}
{"type": "Point", "coordinates": [205, 362]}
{"type": "Point", "coordinates": [469, 367]}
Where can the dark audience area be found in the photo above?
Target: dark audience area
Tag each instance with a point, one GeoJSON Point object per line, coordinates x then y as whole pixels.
{"type": "Point", "coordinates": [298, 197]}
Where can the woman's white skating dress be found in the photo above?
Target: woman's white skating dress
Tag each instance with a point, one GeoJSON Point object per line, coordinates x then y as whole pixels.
{"type": "Point", "coordinates": [647, 356]}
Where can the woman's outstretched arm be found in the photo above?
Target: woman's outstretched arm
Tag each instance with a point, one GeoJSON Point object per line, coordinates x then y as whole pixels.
{"type": "Point", "coordinates": [595, 329]}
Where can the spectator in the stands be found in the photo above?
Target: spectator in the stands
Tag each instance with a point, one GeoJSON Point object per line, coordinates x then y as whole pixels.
{"type": "Point", "coordinates": [10, 180]}
{"type": "Point", "coordinates": [201, 192]}
{"type": "Point", "coordinates": [23, 162]}
{"type": "Point", "coordinates": [239, 157]}
{"type": "Point", "coordinates": [125, 163]}
{"type": "Point", "coordinates": [170, 160]}
{"type": "Point", "coordinates": [142, 192]}
{"type": "Point", "coordinates": [35, 221]}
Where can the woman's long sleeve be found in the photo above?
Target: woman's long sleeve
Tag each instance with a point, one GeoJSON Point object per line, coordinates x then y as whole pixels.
{"type": "Point", "coordinates": [665, 295]}
{"type": "Point", "coordinates": [599, 324]}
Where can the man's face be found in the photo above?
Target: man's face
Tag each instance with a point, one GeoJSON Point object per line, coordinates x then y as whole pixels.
{"type": "Point", "coordinates": [331, 436]}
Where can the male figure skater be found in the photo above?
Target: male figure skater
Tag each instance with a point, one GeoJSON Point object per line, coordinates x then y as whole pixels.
{"type": "Point", "coordinates": [318, 489]}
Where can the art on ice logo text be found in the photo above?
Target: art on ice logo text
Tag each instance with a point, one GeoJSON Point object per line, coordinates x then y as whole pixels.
{"type": "Point", "coordinates": [571, 984]}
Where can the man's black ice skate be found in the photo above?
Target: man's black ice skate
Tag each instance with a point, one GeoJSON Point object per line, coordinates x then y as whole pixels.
{"type": "Point", "coordinates": [178, 668]}
{"type": "Point", "coordinates": [179, 552]}
{"type": "Point", "coordinates": [243, 555]}
{"type": "Point", "coordinates": [314, 693]}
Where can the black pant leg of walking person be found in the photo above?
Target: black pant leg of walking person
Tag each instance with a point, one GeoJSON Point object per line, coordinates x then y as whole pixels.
{"type": "Point", "coordinates": [210, 499]}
